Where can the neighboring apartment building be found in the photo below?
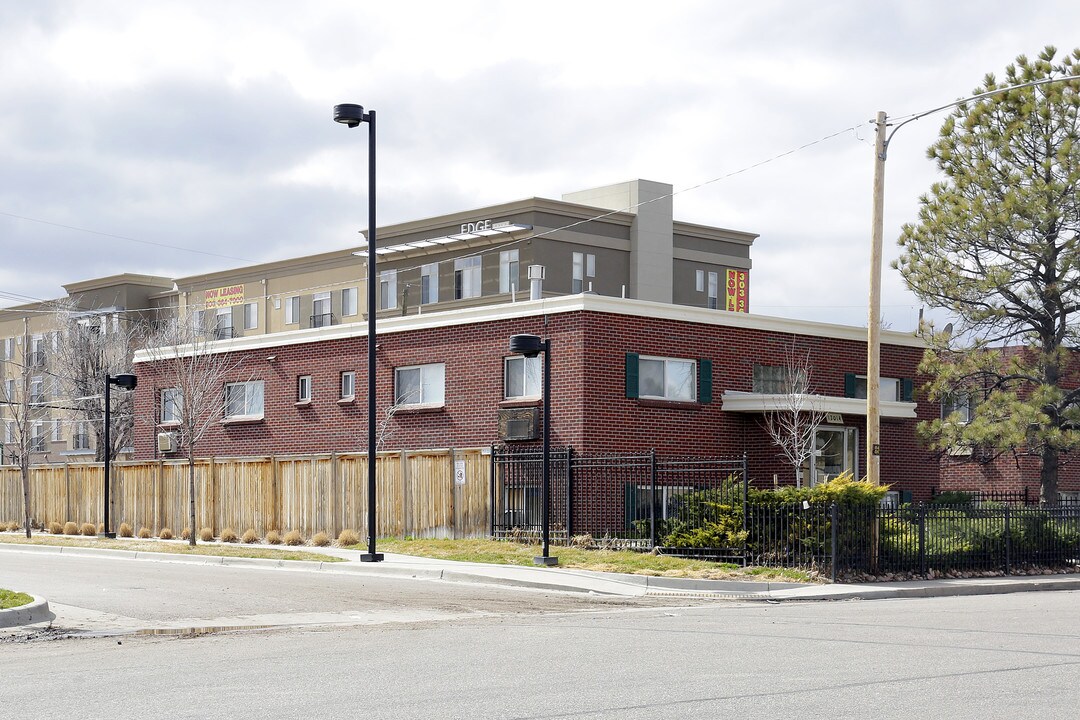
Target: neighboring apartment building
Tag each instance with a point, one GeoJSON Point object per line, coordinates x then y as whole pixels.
{"type": "Point", "coordinates": [28, 342]}
{"type": "Point", "coordinates": [627, 376]}
{"type": "Point", "coordinates": [618, 241]}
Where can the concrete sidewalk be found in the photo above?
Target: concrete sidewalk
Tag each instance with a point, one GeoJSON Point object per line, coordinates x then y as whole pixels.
{"type": "Point", "coordinates": [572, 580]}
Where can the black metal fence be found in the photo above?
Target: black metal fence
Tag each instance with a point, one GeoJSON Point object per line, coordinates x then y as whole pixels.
{"type": "Point", "coordinates": [630, 500]}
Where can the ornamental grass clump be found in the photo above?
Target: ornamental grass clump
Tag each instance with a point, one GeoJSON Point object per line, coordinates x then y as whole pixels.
{"type": "Point", "coordinates": [229, 535]}
{"type": "Point", "coordinates": [125, 530]}
{"type": "Point", "coordinates": [55, 528]}
{"type": "Point", "coordinates": [185, 534]}
{"type": "Point", "coordinates": [347, 538]}
{"type": "Point", "coordinates": [206, 534]}
{"type": "Point", "coordinates": [250, 536]}
{"type": "Point", "coordinates": [144, 533]}
{"type": "Point", "coordinates": [165, 534]}
{"type": "Point", "coordinates": [89, 530]}
{"type": "Point", "coordinates": [320, 539]}
{"type": "Point", "coordinates": [293, 537]}
{"type": "Point", "coordinates": [71, 528]}
{"type": "Point", "coordinates": [273, 537]}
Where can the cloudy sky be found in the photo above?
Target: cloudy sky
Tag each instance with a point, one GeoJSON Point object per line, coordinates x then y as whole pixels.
{"type": "Point", "coordinates": [173, 138]}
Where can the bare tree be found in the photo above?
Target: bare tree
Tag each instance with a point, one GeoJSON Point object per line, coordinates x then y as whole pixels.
{"type": "Point", "coordinates": [91, 346]}
{"type": "Point", "coordinates": [191, 371]}
{"type": "Point", "coordinates": [792, 421]}
{"type": "Point", "coordinates": [20, 427]}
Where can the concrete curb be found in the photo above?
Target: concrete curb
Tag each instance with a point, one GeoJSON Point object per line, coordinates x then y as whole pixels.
{"type": "Point", "coordinates": [37, 611]}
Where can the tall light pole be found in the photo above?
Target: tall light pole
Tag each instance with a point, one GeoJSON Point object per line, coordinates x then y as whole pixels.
{"type": "Point", "coordinates": [530, 346]}
{"type": "Point", "coordinates": [873, 328]}
{"type": "Point", "coordinates": [125, 381]}
{"type": "Point", "coordinates": [353, 115]}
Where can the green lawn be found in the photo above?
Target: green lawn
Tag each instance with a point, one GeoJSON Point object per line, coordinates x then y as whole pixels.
{"type": "Point", "coordinates": [12, 599]}
{"type": "Point", "coordinates": [499, 552]}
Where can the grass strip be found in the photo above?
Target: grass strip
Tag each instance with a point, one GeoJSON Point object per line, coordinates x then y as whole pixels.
{"type": "Point", "coordinates": [498, 552]}
{"type": "Point", "coordinates": [172, 547]}
{"type": "Point", "coordinates": [12, 599]}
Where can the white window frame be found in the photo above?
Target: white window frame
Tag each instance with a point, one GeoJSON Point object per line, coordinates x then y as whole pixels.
{"type": "Point", "coordinates": [432, 386]}
{"type": "Point", "coordinates": [890, 388]}
{"type": "Point", "coordinates": [37, 390]}
{"type": "Point", "coordinates": [699, 281]}
{"type": "Point", "coordinates": [714, 291]}
{"type": "Point", "coordinates": [56, 430]}
{"type": "Point", "coordinates": [509, 271]}
{"type": "Point", "coordinates": [172, 406]}
{"type": "Point", "coordinates": [530, 372]}
{"type": "Point", "coordinates": [430, 273]}
{"type": "Point", "coordinates": [388, 289]}
{"type": "Point", "coordinates": [668, 362]}
{"type": "Point", "coordinates": [348, 385]}
{"type": "Point", "coordinates": [251, 315]}
{"type": "Point", "coordinates": [577, 273]}
{"type": "Point", "coordinates": [468, 277]}
{"type": "Point", "coordinates": [959, 402]}
{"type": "Point", "coordinates": [303, 389]}
{"type": "Point", "coordinates": [251, 392]}
{"type": "Point", "coordinates": [292, 310]}
{"type": "Point", "coordinates": [348, 301]}
{"type": "Point", "coordinates": [37, 437]}
{"type": "Point", "coordinates": [590, 265]}
{"type": "Point", "coordinates": [9, 431]}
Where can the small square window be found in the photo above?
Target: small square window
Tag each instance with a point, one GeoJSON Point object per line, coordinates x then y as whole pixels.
{"type": "Point", "coordinates": [522, 377]}
{"type": "Point", "coordinates": [303, 389]}
{"type": "Point", "coordinates": [420, 385]}
{"type": "Point", "coordinates": [244, 399]}
{"type": "Point", "coordinates": [348, 385]}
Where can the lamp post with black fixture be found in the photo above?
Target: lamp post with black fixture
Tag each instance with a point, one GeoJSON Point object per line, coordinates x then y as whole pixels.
{"type": "Point", "coordinates": [530, 346]}
{"type": "Point", "coordinates": [352, 116]}
{"type": "Point", "coordinates": [125, 381]}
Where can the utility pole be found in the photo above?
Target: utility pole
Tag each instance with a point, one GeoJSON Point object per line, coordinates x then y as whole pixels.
{"type": "Point", "coordinates": [24, 430]}
{"type": "Point", "coordinates": [873, 323]}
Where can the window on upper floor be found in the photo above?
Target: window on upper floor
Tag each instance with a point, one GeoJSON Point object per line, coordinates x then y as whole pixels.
{"type": "Point", "coordinates": [522, 377]}
{"type": "Point", "coordinates": [172, 405]}
{"type": "Point", "coordinates": [388, 289]}
{"type": "Point", "coordinates": [957, 407]}
{"type": "Point", "coordinates": [348, 301]}
{"type": "Point", "coordinates": [348, 385]}
{"type": "Point", "coordinates": [321, 313]}
{"type": "Point", "coordinates": [509, 271]}
{"type": "Point", "coordinates": [714, 291]}
{"type": "Point", "coordinates": [891, 389]}
{"type": "Point", "coordinates": [303, 389]}
{"type": "Point", "coordinates": [776, 379]}
{"type": "Point", "coordinates": [582, 265]}
{"type": "Point", "coordinates": [420, 385]}
{"type": "Point", "coordinates": [429, 283]}
{"type": "Point", "coordinates": [673, 379]}
{"type": "Point", "coordinates": [292, 310]}
{"type": "Point", "coordinates": [467, 277]}
{"type": "Point", "coordinates": [251, 315]}
{"type": "Point", "coordinates": [244, 400]}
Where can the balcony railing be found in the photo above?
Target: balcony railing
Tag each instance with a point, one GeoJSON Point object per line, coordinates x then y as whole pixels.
{"type": "Point", "coordinates": [324, 320]}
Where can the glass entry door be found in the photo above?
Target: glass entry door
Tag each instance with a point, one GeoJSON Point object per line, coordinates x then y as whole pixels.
{"type": "Point", "coordinates": [835, 451]}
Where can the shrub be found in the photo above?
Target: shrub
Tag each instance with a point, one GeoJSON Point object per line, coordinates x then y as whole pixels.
{"type": "Point", "coordinates": [206, 534]}
{"type": "Point", "coordinates": [953, 497]}
{"type": "Point", "coordinates": [165, 534]}
{"type": "Point", "coordinates": [273, 538]}
{"type": "Point", "coordinates": [89, 529]}
{"type": "Point", "coordinates": [293, 537]}
{"type": "Point", "coordinates": [250, 536]}
{"type": "Point", "coordinates": [185, 534]}
{"type": "Point", "coordinates": [144, 532]}
{"type": "Point", "coordinates": [125, 530]}
{"type": "Point", "coordinates": [71, 528]}
{"type": "Point", "coordinates": [320, 539]}
{"type": "Point", "coordinates": [348, 537]}
{"type": "Point", "coordinates": [14, 526]}
{"type": "Point", "coordinates": [54, 527]}
{"type": "Point", "coordinates": [229, 535]}
{"type": "Point", "coordinates": [101, 527]}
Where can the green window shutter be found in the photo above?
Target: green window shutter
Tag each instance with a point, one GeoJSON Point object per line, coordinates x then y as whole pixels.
{"type": "Point", "coordinates": [905, 497]}
{"type": "Point", "coordinates": [704, 392]}
{"type": "Point", "coordinates": [907, 389]}
{"type": "Point", "coordinates": [631, 375]}
{"type": "Point", "coordinates": [849, 385]}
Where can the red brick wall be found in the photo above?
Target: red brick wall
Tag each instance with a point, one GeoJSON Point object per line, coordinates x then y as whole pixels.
{"type": "Point", "coordinates": [589, 407]}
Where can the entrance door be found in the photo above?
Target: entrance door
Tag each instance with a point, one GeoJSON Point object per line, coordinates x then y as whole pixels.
{"type": "Point", "coordinates": [834, 453]}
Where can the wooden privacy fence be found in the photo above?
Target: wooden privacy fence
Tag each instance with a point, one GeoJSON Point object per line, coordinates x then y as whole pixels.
{"type": "Point", "coordinates": [437, 493]}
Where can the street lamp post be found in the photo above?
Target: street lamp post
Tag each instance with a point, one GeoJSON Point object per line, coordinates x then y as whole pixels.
{"type": "Point", "coordinates": [353, 115]}
{"type": "Point", "coordinates": [125, 381]}
{"type": "Point", "coordinates": [530, 346]}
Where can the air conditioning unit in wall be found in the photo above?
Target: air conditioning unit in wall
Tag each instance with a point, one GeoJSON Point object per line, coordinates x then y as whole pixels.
{"type": "Point", "coordinates": [166, 442]}
{"type": "Point", "coordinates": [519, 423]}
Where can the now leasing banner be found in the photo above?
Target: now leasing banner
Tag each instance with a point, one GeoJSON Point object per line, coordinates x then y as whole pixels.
{"type": "Point", "coordinates": [737, 291]}
{"type": "Point", "coordinates": [223, 296]}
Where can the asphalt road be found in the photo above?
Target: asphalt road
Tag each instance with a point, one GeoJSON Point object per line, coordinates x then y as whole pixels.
{"type": "Point", "coordinates": [494, 652]}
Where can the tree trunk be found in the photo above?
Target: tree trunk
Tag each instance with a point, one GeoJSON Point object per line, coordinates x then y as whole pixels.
{"type": "Point", "coordinates": [191, 494]}
{"type": "Point", "coordinates": [1049, 475]}
{"type": "Point", "coordinates": [24, 466]}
